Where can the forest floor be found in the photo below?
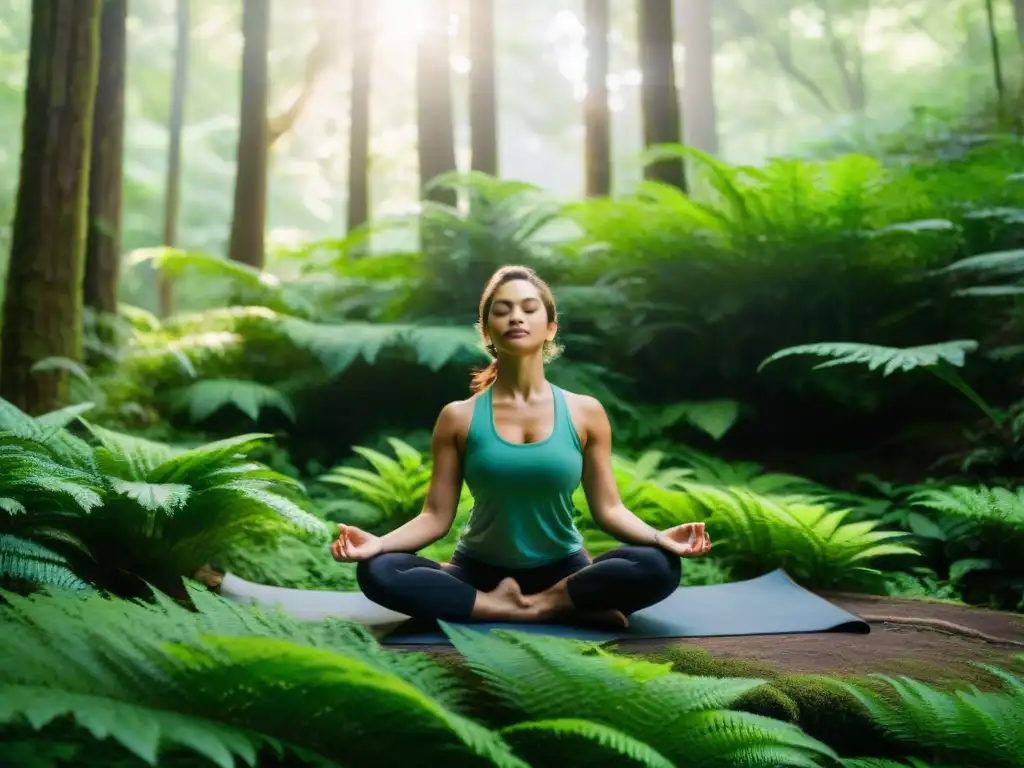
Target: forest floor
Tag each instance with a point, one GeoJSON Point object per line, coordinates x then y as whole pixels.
{"type": "Point", "coordinates": [936, 642]}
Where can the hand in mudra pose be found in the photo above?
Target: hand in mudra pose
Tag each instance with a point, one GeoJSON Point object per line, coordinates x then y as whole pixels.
{"type": "Point", "coordinates": [686, 540]}
{"type": "Point", "coordinates": [354, 544]}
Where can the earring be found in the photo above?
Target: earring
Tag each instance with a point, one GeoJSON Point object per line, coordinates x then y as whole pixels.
{"type": "Point", "coordinates": [491, 348]}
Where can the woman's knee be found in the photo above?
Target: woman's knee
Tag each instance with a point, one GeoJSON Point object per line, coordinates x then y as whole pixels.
{"type": "Point", "coordinates": [377, 574]}
{"type": "Point", "coordinates": [662, 570]}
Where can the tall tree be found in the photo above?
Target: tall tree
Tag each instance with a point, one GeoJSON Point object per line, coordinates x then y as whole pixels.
{"type": "Point", "coordinates": [659, 100]}
{"type": "Point", "coordinates": [596, 112]}
{"type": "Point", "coordinates": [1018, 17]}
{"type": "Point", "coordinates": [43, 302]}
{"type": "Point", "coordinates": [172, 194]}
{"type": "Point", "coordinates": [434, 122]}
{"type": "Point", "coordinates": [483, 101]}
{"type": "Point", "coordinates": [697, 35]}
{"type": "Point", "coordinates": [248, 222]}
{"type": "Point", "coordinates": [363, 34]}
{"type": "Point", "coordinates": [103, 244]}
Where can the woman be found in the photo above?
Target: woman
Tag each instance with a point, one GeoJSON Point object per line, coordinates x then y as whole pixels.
{"type": "Point", "coordinates": [523, 446]}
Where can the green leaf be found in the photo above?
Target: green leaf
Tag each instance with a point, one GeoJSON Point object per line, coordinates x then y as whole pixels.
{"type": "Point", "coordinates": [889, 359]}
{"type": "Point", "coordinates": [166, 497]}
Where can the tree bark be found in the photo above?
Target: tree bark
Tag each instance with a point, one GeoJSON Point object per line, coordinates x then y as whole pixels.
{"type": "Point", "coordinates": [172, 195]}
{"type": "Point", "coordinates": [483, 106]}
{"type": "Point", "coordinates": [596, 113]}
{"type": "Point", "coordinates": [43, 302]}
{"type": "Point", "coordinates": [362, 43]}
{"type": "Point", "coordinates": [697, 34]}
{"type": "Point", "coordinates": [659, 100]}
{"type": "Point", "coordinates": [1018, 17]}
{"type": "Point", "coordinates": [436, 133]}
{"type": "Point", "coordinates": [249, 220]}
{"type": "Point", "coordinates": [103, 244]}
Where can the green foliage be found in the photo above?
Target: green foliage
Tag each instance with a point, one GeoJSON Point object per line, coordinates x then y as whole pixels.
{"type": "Point", "coordinates": [969, 728]}
{"type": "Point", "coordinates": [681, 718]}
{"type": "Point", "coordinates": [233, 684]}
{"type": "Point", "coordinates": [395, 488]}
{"type": "Point", "coordinates": [758, 522]}
{"type": "Point", "coordinates": [204, 398]}
{"type": "Point", "coordinates": [132, 505]}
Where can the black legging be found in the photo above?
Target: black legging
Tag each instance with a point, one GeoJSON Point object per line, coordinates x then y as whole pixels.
{"type": "Point", "coordinates": [626, 579]}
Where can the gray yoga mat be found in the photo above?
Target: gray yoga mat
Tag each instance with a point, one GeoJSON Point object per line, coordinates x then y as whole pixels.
{"type": "Point", "coordinates": [772, 604]}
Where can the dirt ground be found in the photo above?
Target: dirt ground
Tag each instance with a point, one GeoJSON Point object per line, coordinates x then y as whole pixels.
{"type": "Point", "coordinates": [927, 640]}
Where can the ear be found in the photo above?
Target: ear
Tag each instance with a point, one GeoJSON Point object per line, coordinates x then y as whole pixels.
{"type": "Point", "coordinates": [552, 331]}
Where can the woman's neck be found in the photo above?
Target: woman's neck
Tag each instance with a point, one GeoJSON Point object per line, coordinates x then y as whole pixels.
{"type": "Point", "coordinates": [521, 378]}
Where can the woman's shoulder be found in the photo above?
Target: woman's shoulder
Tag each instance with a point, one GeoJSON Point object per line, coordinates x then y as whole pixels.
{"type": "Point", "coordinates": [455, 417]}
{"type": "Point", "coordinates": [585, 404]}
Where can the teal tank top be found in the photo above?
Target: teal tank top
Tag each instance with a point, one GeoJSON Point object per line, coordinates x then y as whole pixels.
{"type": "Point", "coordinates": [523, 512]}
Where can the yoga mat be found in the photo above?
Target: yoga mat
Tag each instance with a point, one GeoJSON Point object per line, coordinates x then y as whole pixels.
{"type": "Point", "coordinates": [772, 604]}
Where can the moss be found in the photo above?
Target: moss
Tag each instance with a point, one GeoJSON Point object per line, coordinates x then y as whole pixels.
{"type": "Point", "coordinates": [813, 702]}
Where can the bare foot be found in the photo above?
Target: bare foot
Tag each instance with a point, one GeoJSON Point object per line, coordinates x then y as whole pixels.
{"type": "Point", "coordinates": [504, 603]}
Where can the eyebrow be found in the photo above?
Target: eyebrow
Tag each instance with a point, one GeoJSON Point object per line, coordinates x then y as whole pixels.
{"type": "Point", "coordinates": [509, 302]}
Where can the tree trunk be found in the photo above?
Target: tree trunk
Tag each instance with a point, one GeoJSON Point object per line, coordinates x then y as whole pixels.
{"type": "Point", "coordinates": [43, 303]}
{"type": "Point", "coordinates": [596, 114]}
{"type": "Point", "coordinates": [436, 133]}
{"type": "Point", "coordinates": [249, 219]}
{"type": "Point", "coordinates": [172, 195]}
{"type": "Point", "coordinates": [697, 34]}
{"type": "Point", "coordinates": [659, 100]}
{"type": "Point", "coordinates": [362, 43]}
{"type": "Point", "coordinates": [483, 107]}
{"type": "Point", "coordinates": [1018, 16]}
{"type": "Point", "coordinates": [103, 245]}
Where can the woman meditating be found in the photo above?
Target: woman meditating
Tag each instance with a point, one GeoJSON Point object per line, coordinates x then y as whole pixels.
{"type": "Point", "coordinates": [523, 446]}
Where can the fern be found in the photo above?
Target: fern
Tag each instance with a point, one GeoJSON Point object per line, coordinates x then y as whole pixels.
{"type": "Point", "coordinates": [968, 728]}
{"type": "Point", "coordinates": [136, 505]}
{"type": "Point", "coordinates": [889, 359]}
{"type": "Point", "coordinates": [683, 718]}
{"type": "Point", "coordinates": [939, 359]}
{"type": "Point", "coordinates": [757, 521]}
{"type": "Point", "coordinates": [396, 487]}
{"type": "Point", "coordinates": [225, 682]}
{"type": "Point", "coordinates": [987, 519]}
{"type": "Point", "coordinates": [28, 561]}
{"type": "Point", "coordinates": [204, 398]}
{"type": "Point", "coordinates": [812, 541]}
{"type": "Point", "coordinates": [580, 742]}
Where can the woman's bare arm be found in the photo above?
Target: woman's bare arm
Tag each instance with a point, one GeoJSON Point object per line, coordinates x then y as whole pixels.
{"type": "Point", "coordinates": [606, 506]}
{"type": "Point", "coordinates": [438, 513]}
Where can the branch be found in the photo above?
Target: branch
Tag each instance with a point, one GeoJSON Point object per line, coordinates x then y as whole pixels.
{"type": "Point", "coordinates": [784, 55]}
{"type": "Point", "coordinates": [316, 62]}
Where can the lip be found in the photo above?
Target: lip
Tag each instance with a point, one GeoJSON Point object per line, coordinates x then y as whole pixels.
{"type": "Point", "coordinates": [516, 333]}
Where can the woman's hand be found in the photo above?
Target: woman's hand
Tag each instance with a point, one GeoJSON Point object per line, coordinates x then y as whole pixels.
{"type": "Point", "coordinates": [355, 544]}
{"type": "Point", "coordinates": [686, 540]}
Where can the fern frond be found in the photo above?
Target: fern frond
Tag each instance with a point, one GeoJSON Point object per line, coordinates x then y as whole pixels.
{"type": "Point", "coordinates": [999, 506]}
{"type": "Point", "coordinates": [204, 398]}
{"type": "Point", "coordinates": [225, 680]}
{"type": "Point", "coordinates": [965, 727]}
{"type": "Point", "coordinates": [26, 560]}
{"type": "Point", "coordinates": [812, 541]}
{"type": "Point", "coordinates": [580, 742]}
{"type": "Point", "coordinates": [681, 717]}
{"type": "Point", "coordinates": [889, 359]}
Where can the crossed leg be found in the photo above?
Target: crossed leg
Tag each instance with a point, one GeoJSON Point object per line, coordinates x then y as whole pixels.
{"type": "Point", "coordinates": [609, 589]}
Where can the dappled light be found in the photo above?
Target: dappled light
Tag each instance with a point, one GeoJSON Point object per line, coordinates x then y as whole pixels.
{"type": "Point", "coordinates": [512, 382]}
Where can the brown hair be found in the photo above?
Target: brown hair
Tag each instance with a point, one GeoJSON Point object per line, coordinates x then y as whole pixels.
{"type": "Point", "coordinates": [484, 377]}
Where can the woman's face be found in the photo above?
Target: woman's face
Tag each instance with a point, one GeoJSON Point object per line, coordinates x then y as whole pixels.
{"type": "Point", "coordinates": [518, 321]}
